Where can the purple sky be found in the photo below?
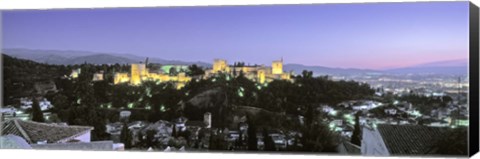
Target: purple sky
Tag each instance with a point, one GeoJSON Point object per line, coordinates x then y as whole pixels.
{"type": "Point", "coordinates": [374, 35]}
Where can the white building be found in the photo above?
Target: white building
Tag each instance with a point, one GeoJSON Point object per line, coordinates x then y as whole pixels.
{"type": "Point", "coordinates": [9, 110]}
{"type": "Point", "coordinates": [26, 103]}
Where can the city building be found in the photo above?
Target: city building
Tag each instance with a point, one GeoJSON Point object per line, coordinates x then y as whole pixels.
{"type": "Point", "coordinates": [257, 73]}
{"type": "Point", "coordinates": [207, 119]}
{"type": "Point", "coordinates": [75, 73]}
{"type": "Point", "coordinates": [98, 76]}
{"type": "Point", "coordinates": [140, 73]}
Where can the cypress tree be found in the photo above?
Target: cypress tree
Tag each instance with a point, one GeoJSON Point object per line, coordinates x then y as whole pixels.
{"type": "Point", "coordinates": [356, 132]}
{"type": "Point", "coordinates": [126, 136]}
{"type": "Point", "coordinates": [252, 135]}
{"type": "Point", "coordinates": [174, 131]}
{"type": "Point", "coordinates": [268, 141]}
{"type": "Point", "coordinates": [37, 114]}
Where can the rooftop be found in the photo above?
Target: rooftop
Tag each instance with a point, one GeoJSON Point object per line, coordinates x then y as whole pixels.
{"type": "Point", "coordinates": [410, 139]}
{"type": "Point", "coordinates": [34, 132]}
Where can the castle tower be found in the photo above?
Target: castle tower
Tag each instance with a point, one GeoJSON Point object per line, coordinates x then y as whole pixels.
{"type": "Point", "coordinates": [137, 72]}
{"type": "Point", "coordinates": [277, 67]}
{"type": "Point", "coordinates": [219, 65]}
{"type": "Point", "coordinates": [207, 119]}
{"type": "Point", "coordinates": [261, 76]}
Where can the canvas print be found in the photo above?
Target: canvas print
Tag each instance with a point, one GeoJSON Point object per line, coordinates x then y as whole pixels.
{"type": "Point", "coordinates": [372, 79]}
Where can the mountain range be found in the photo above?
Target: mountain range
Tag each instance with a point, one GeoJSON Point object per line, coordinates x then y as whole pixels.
{"type": "Point", "coordinates": [68, 57]}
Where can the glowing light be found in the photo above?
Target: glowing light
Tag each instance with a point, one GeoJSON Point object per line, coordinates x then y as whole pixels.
{"type": "Point", "coordinates": [333, 112]}
{"type": "Point", "coordinates": [148, 107]}
{"type": "Point", "coordinates": [332, 125]}
{"type": "Point", "coordinates": [162, 108]}
{"type": "Point", "coordinates": [78, 101]}
{"type": "Point", "coordinates": [130, 105]}
{"type": "Point", "coordinates": [259, 87]}
{"type": "Point", "coordinates": [338, 129]}
{"type": "Point", "coordinates": [352, 122]}
{"type": "Point", "coordinates": [240, 94]}
{"type": "Point", "coordinates": [348, 116]}
{"type": "Point", "coordinates": [395, 102]}
{"type": "Point", "coordinates": [148, 91]}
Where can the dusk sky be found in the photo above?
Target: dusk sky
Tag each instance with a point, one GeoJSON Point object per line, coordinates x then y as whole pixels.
{"type": "Point", "coordinates": [373, 35]}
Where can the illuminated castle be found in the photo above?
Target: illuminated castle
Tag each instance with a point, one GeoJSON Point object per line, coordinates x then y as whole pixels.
{"type": "Point", "coordinates": [139, 73]}
{"type": "Point", "coordinates": [258, 73]}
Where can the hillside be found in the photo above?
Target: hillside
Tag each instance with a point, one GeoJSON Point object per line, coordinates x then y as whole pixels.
{"type": "Point", "coordinates": [20, 75]}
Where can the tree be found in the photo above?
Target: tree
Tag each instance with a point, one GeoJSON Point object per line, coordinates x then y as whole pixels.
{"type": "Point", "coordinates": [454, 142]}
{"type": "Point", "coordinates": [356, 132]}
{"type": "Point", "coordinates": [37, 114]}
{"type": "Point", "coordinates": [173, 71]}
{"type": "Point", "coordinates": [268, 143]}
{"type": "Point", "coordinates": [126, 136]}
{"type": "Point", "coordinates": [252, 135]}
{"type": "Point", "coordinates": [217, 142]}
{"type": "Point", "coordinates": [194, 70]}
{"type": "Point", "coordinates": [174, 131]}
{"type": "Point", "coordinates": [60, 102]}
{"type": "Point", "coordinates": [150, 137]}
{"type": "Point", "coordinates": [307, 74]}
{"type": "Point", "coordinates": [85, 109]}
{"type": "Point", "coordinates": [316, 135]}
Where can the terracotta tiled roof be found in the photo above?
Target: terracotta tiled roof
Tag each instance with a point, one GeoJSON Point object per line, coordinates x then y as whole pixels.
{"type": "Point", "coordinates": [33, 132]}
{"type": "Point", "coordinates": [410, 139]}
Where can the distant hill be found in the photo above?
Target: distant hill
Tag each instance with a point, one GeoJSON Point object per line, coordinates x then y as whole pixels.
{"type": "Point", "coordinates": [454, 67]}
{"type": "Point", "coordinates": [45, 56]}
{"type": "Point", "coordinates": [320, 70]}
{"type": "Point", "coordinates": [68, 57]}
{"type": "Point", "coordinates": [163, 61]}
{"type": "Point", "coordinates": [99, 59]}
